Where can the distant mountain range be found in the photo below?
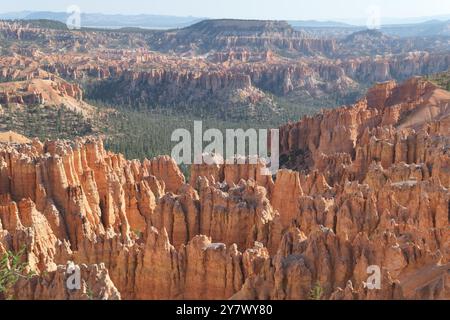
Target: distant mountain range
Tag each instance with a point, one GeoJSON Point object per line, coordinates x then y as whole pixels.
{"type": "Point", "coordinates": [422, 26]}
{"type": "Point", "coordinates": [423, 29]}
{"type": "Point", "coordinates": [142, 20]}
{"type": "Point", "coordinates": [108, 20]}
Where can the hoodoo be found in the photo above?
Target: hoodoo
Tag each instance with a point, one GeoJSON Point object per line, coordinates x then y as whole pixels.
{"type": "Point", "coordinates": [373, 190]}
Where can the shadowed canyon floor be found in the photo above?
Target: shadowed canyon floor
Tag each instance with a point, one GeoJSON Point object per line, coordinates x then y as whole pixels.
{"type": "Point", "coordinates": [362, 185]}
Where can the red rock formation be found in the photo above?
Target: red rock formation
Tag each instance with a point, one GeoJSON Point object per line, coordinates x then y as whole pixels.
{"type": "Point", "coordinates": [95, 285]}
{"type": "Point", "coordinates": [219, 57]}
{"type": "Point", "coordinates": [373, 191]}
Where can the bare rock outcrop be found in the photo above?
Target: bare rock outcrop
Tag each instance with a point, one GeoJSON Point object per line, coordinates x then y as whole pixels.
{"type": "Point", "coordinates": [95, 284]}
{"type": "Point", "coordinates": [370, 194]}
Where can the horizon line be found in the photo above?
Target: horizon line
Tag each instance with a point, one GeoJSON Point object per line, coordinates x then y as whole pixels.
{"type": "Point", "coordinates": [349, 21]}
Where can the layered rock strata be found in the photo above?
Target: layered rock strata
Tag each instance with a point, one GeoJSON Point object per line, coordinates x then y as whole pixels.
{"type": "Point", "coordinates": [363, 187]}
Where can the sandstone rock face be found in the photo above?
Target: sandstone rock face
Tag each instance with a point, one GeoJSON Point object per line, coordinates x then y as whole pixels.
{"type": "Point", "coordinates": [39, 91]}
{"type": "Point", "coordinates": [364, 187]}
{"type": "Point", "coordinates": [166, 80]}
{"type": "Point", "coordinates": [96, 285]}
{"type": "Point", "coordinates": [232, 34]}
{"type": "Point", "coordinates": [219, 65]}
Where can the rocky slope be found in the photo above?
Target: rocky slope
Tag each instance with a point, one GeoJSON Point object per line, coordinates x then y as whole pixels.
{"type": "Point", "coordinates": [225, 81]}
{"type": "Point", "coordinates": [232, 68]}
{"type": "Point", "coordinates": [50, 91]}
{"type": "Point", "coordinates": [45, 105]}
{"type": "Point", "coordinates": [228, 34]}
{"type": "Point", "coordinates": [370, 188]}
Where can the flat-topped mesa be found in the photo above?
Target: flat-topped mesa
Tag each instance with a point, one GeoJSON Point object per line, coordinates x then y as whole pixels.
{"type": "Point", "coordinates": [243, 27]}
{"type": "Point", "coordinates": [258, 35]}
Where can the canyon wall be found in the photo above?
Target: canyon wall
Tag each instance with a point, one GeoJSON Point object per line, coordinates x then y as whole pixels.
{"type": "Point", "coordinates": [370, 188]}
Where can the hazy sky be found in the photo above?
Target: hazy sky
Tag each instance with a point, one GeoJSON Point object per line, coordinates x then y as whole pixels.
{"type": "Point", "coordinates": [251, 9]}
